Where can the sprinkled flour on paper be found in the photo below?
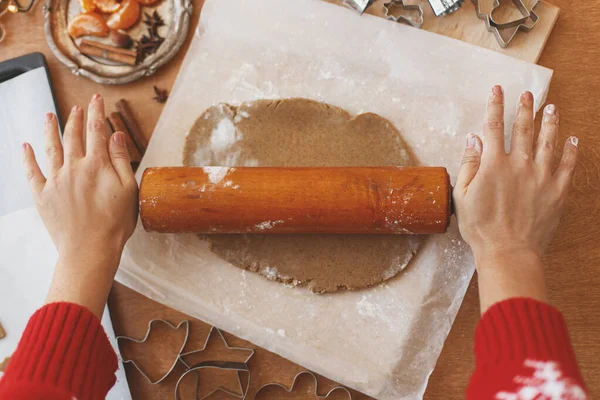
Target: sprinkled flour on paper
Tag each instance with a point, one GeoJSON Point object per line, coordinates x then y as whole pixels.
{"type": "Point", "coordinates": [367, 309]}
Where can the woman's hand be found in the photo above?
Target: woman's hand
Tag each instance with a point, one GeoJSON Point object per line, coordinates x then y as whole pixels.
{"type": "Point", "coordinates": [509, 205]}
{"type": "Point", "coordinates": [88, 203]}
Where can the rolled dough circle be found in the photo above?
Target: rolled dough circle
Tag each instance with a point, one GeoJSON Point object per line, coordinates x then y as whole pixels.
{"type": "Point", "coordinates": [295, 133]}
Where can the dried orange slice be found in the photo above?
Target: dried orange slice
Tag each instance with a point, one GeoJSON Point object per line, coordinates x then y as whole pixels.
{"type": "Point", "coordinates": [87, 5]}
{"type": "Point", "coordinates": [107, 6]}
{"type": "Point", "coordinates": [148, 2]}
{"type": "Point", "coordinates": [88, 23]}
{"type": "Point", "coordinates": [127, 15]}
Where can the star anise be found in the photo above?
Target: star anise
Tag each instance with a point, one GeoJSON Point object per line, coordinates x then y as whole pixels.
{"type": "Point", "coordinates": [161, 95]}
{"type": "Point", "coordinates": [153, 22]}
{"type": "Point", "coordinates": [149, 43]}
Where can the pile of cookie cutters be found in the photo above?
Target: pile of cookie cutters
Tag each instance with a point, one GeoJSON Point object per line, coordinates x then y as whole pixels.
{"type": "Point", "coordinates": [439, 7]}
{"type": "Point", "coordinates": [398, 11]}
{"type": "Point", "coordinates": [240, 368]}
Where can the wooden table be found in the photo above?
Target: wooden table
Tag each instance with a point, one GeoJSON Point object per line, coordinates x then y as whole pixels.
{"type": "Point", "coordinates": [573, 261]}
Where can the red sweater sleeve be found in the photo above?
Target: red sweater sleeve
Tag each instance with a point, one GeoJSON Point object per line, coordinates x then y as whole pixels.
{"type": "Point", "coordinates": [64, 353]}
{"type": "Point", "coordinates": [523, 351]}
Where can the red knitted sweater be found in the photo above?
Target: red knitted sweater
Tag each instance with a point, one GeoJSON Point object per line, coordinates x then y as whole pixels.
{"type": "Point", "coordinates": [522, 352]}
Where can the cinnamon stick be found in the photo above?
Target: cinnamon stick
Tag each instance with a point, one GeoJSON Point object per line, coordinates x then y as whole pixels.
{"type": "Point", "coordinates": [117, 124]}
{"type": "Point", "coordinates": [109, 128]}
{"type": "Point", "coordinates": [132, 125]}
{"type": "Point", "coordinates": [111, 55]}
{"type": "Point", "coordinates": [108, 47]}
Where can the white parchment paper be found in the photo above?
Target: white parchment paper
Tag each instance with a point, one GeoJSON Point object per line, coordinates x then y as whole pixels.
{"type": "Point", "coordinates": [383, 341]}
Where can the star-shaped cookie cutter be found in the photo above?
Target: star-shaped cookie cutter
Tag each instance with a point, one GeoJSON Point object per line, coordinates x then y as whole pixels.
{"type": "Point", "coordinates": [387, 7]}
{"type": "Point", "coordinates": [238, 367]}
{"type": "Point", "coordinates": [525, 24]}
{"type": "Point", "coordinates": [152, 322]}
{"type": "Point", "coordinates": [291, 388]}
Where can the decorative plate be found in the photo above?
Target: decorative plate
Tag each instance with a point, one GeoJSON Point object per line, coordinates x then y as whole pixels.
{"type": "Point", "coordinates": [57, 14]}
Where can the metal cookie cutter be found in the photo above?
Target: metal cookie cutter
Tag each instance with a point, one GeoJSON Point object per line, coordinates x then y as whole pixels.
{"type": "Point", "coordinates": [389, 14]}
{"type": "Point", "coordinates": [162, 321]}
{"type": "Point", "coordinates": [291, 388]}
{"type": "Point", "coordinates": [358, 5]}
{"type": "Point", "coordinates": [238, 367]}
{"type": "Point", "coordinates": [445, 7]}
{"type": "Point", "coordinates": [525, 14]}
{"type": "Point", "coordinates": [527, 25]}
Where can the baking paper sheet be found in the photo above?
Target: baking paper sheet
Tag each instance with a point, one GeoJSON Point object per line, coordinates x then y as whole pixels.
{"type": "Point", "coordinates": [383, 341]}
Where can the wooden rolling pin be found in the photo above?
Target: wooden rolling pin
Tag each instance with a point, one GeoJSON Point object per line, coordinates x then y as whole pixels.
{"type": "Point", "coordinates": [392, 200]}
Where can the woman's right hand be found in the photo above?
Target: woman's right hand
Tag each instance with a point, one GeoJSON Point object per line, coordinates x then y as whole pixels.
{"type": "Point", "coordinates": [508, 206]}
{"type": "Point", "coordinates": [88, 202]}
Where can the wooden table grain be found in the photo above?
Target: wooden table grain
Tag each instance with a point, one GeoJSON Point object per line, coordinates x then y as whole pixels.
{"type": "Point", "coordinates": [573, 260]}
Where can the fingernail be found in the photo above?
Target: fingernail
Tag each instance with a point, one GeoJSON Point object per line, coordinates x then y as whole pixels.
{"type": "Point", "coordinates": [574, 141]}
{"type": "Point", "coordinates": [96, 96]}
{"type": "Point", "coordinates": [527, 96]}
{"type": "Point", "coordinates": [497, 90]}
{"type": "Point", "coordinates": [49, 117]}
{"type": "Point", "coordinates": [24, 146]}
{"type": "Point", "coordinates": [119, 138]}
{"type": "Point", "coordinates": [550, 109]}
{"type": "Point", "coordinates": [74, 109]}
{"type": "Point", "coordinates": [471, 141]}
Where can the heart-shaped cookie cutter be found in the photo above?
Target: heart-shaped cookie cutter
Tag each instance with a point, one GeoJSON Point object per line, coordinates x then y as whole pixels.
{"type": "Point", "coordinates": [291, 388]}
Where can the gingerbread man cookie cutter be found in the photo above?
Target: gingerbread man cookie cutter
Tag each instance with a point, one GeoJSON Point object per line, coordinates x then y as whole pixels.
{"type": "Point", "coordinates": [399, 4]}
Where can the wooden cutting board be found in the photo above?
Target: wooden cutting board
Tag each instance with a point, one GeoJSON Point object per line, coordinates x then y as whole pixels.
{"type": "Point", "coordinates": [466, 26]}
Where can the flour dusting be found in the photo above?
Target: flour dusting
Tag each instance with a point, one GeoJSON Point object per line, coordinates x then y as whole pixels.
{"type": "Point", "coordinates": [216, 174]}
{"type": "Point", "coordinates": [368, 309]}
{"type": "Point", "coordinates": [270, 273]}
{"type": "Point", "coordinates": [268, 224]}
{"type": "Point", "coordinates": [241, 114]}
{"type": "Point", "coordinates": [224, 135]}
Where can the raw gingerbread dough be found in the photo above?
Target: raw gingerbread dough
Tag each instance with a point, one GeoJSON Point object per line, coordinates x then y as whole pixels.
{"type": "Point", "coordinates": [300, 132]}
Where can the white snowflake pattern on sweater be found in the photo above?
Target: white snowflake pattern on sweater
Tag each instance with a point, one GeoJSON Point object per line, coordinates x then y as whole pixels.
{"type": "Point", "coordinates": [546, 383]}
